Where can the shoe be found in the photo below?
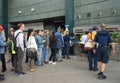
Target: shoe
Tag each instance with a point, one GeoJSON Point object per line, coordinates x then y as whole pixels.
{"type": "Point", "coordinates": [46, 62]}
{"type": "Point", "coordinates": [12, 69]}
{"type": "Point", "coordinates": [60, 61]}
{"type": "Point", "coordinates": [23, 73]}
{"type": "Point", "coordinates": [20, 74]}
{"type": "Point", "coordinates": [2, 78]}
{"type": "Point", "coordinates": [4, 70]}
{"type": "Point", "coordinates": [95, 69]}
{"type": "Point", "coordinates": [68, 58]}
{"type": "Point", "coordinates": [40, 65]}
{"type": "Point", "coordinates": [63, 57]}
{"type": "Point", "coordinates": [9, 61]}
{"type": "Point", "coordinates": [2, 75]}
{"type": "Point", "coordinates": [50, 62]}
{"type": "Point", "coordinates": [100, 76]}
{"type": "Point", "coordinates": [32, 70]}
{"type": "Point", "coordinates": [54, 63]}
{"type": "Point", "coordinates": [90, 69]}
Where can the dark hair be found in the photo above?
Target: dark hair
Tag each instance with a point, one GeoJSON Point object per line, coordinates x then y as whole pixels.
{"type": "Point", "coordinates": [38, 31]}
{"type": "Point", "coordinates": [19, 25]}
{"type": "Point", "coordinates": [29, 32]}
{"type": "Point", "coordinates": [86, 32]}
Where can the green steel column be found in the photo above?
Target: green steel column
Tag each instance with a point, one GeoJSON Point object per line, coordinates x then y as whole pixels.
{"type": "Point", "coordinates": [69, 16]}
{"type": "Point", "coordinates": [1, 11]}
{"type": "Point", "coordinates": [5, 16]}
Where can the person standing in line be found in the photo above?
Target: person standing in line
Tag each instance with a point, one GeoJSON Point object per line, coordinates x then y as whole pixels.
{"type": "Point", "coordinates": [60, 44]}
{"type": "Point", "coordinates": [11, 48]}
{"type": "Point", "coordinates": [83, 40]}
{"type": "Point", "coordinates": [92, 58]}
{"type": "Point", "coordinates": [103, 38]}
{"type": "Point", "coordinates": [31, 43]}
{"type": "Point", "coordinates": [19, 38]}
{"type": "Point", "coordinates": [53, 43]}
{"type": "Point", "coordinates": [67, 43]}
{"type": "Point", "coordinates": [46, 47]}
{"type": "Point", "coordinates": [2, 49]}
{"type": "Point", "coordinates": [3, 57]}
{"type": "Point", "coordinates": [40, 44]}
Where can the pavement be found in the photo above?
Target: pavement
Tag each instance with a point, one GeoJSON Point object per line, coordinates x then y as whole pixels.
{"type": "Point", "coordinates": [74, 70]}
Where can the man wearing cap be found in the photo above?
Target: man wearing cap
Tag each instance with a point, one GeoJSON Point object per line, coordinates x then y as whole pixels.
{"type": "Point", "coordinates": [2, 48]}
{"type": "Point", "coordinates": [103, 38]}
{"type": "Point", "coordinates": [92, 58]}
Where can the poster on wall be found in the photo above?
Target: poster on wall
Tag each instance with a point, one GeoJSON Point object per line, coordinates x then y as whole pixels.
{"type": "Point", "coordinates": [34, 26]}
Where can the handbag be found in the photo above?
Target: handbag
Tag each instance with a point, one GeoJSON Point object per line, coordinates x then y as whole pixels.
{"type": "Point", "coordinates": [89, 45]}
{"type": "Point", "coordinates": [31, 52]}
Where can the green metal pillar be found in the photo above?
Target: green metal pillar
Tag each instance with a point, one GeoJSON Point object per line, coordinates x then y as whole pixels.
{"type": "Point", "coordinates": [5, 16]}
{"type": "Point", "coordinates": [69, 16]}
{"type": "Point", "coordinates": [1, 11]}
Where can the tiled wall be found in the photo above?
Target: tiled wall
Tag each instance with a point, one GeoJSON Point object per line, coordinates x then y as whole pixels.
{"type": "Point", "coordinates": [42, 9]}
{"type": "Point", "coordinates": [101, 11]}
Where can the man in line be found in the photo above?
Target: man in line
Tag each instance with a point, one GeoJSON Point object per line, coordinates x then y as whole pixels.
{"type": "Point", "coordinates": [60, 44]}
{"type": "Point", "coordinates": [19, 37]}
{"type": "Point", "coordinates": [103, 38]}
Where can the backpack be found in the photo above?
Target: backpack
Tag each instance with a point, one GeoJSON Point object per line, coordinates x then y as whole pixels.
{"type": "Point", "coordinates": [14, 42]}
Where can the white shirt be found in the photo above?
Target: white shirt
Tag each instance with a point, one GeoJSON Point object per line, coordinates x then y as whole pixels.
{"type": "Point", "coordinates": [31, 43]}
{"type": "Point", "coordinates": [19, 39]}
{"type": "Point", "coordinates": [84, 39]}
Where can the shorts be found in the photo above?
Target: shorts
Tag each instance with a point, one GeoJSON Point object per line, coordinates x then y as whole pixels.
{"type": "Point", "coordinates": [103, 54]}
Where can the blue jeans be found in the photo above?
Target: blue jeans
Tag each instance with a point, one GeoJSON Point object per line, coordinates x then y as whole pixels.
{"type": "Point", "coordinates": [59, 54]}
{"type": "Point", "coordinates": [39, 58]}
{"type": "Point", "coordinates": [66, 51]}
{"type": "Point", "coordinates": [91, 56]}
{"type": "Point", "coordinates": [46, 54]}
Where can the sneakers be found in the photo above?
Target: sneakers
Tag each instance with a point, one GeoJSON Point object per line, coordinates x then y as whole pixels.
{"type": "Point", "coordinates": [2, 77]}
{"type": "Point", "coordinates": [50, 62]}
{"type": "Point", "coordinates": [101, 76]}
{"type": "Point", "coordinates": [20, 73]}
{"type": "Point", "coordinates": [54, 63]}
{"type": "Point", "coordinates": [32, 70]}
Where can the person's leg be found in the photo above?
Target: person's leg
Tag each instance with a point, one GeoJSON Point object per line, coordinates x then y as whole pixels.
{"type": "Point", "coordinates": [15, 63]}
{"type": "Point", "coordinates": [52, 52]}
{"type": "Point", "coordinates": [60, 54]}
{"type": "Point", "coordinates": [3, 63]}
{"type": "Point", "coordinates": [26, 59]}
{"type": "Point", "coordinates": [46, 55]}
{"type": "Point", "coordinates": [104, 61]}
{"type": "Point", "coordinates": [20, 58]}
{"type": "Point", "coordinates": [67, 52]}
{"type": "Point", "coordinates": [95, 63]}
{"type": "Point", "coordinates": [90, 60]}
{"type": "Point", "coordinates": [39, 62]}
{"type": "Point", "coordinates": [12, 58]}
{"type": "Point", "coordinates": [54, 55]}
{"type": "Point", "coordinates": [64, 53]}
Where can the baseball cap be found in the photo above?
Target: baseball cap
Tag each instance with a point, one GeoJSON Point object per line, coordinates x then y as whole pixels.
{"type": "Point", "coordinates": [94, 28]}
{"type": "Point", "coordinates": [1, 28]}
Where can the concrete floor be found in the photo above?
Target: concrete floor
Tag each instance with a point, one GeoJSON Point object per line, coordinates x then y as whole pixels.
{"type": "Point", "coordinates": [69, 71]}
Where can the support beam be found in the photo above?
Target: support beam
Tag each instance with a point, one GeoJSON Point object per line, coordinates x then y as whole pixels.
{"type": "Point", "coordinates": [69, 16]}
